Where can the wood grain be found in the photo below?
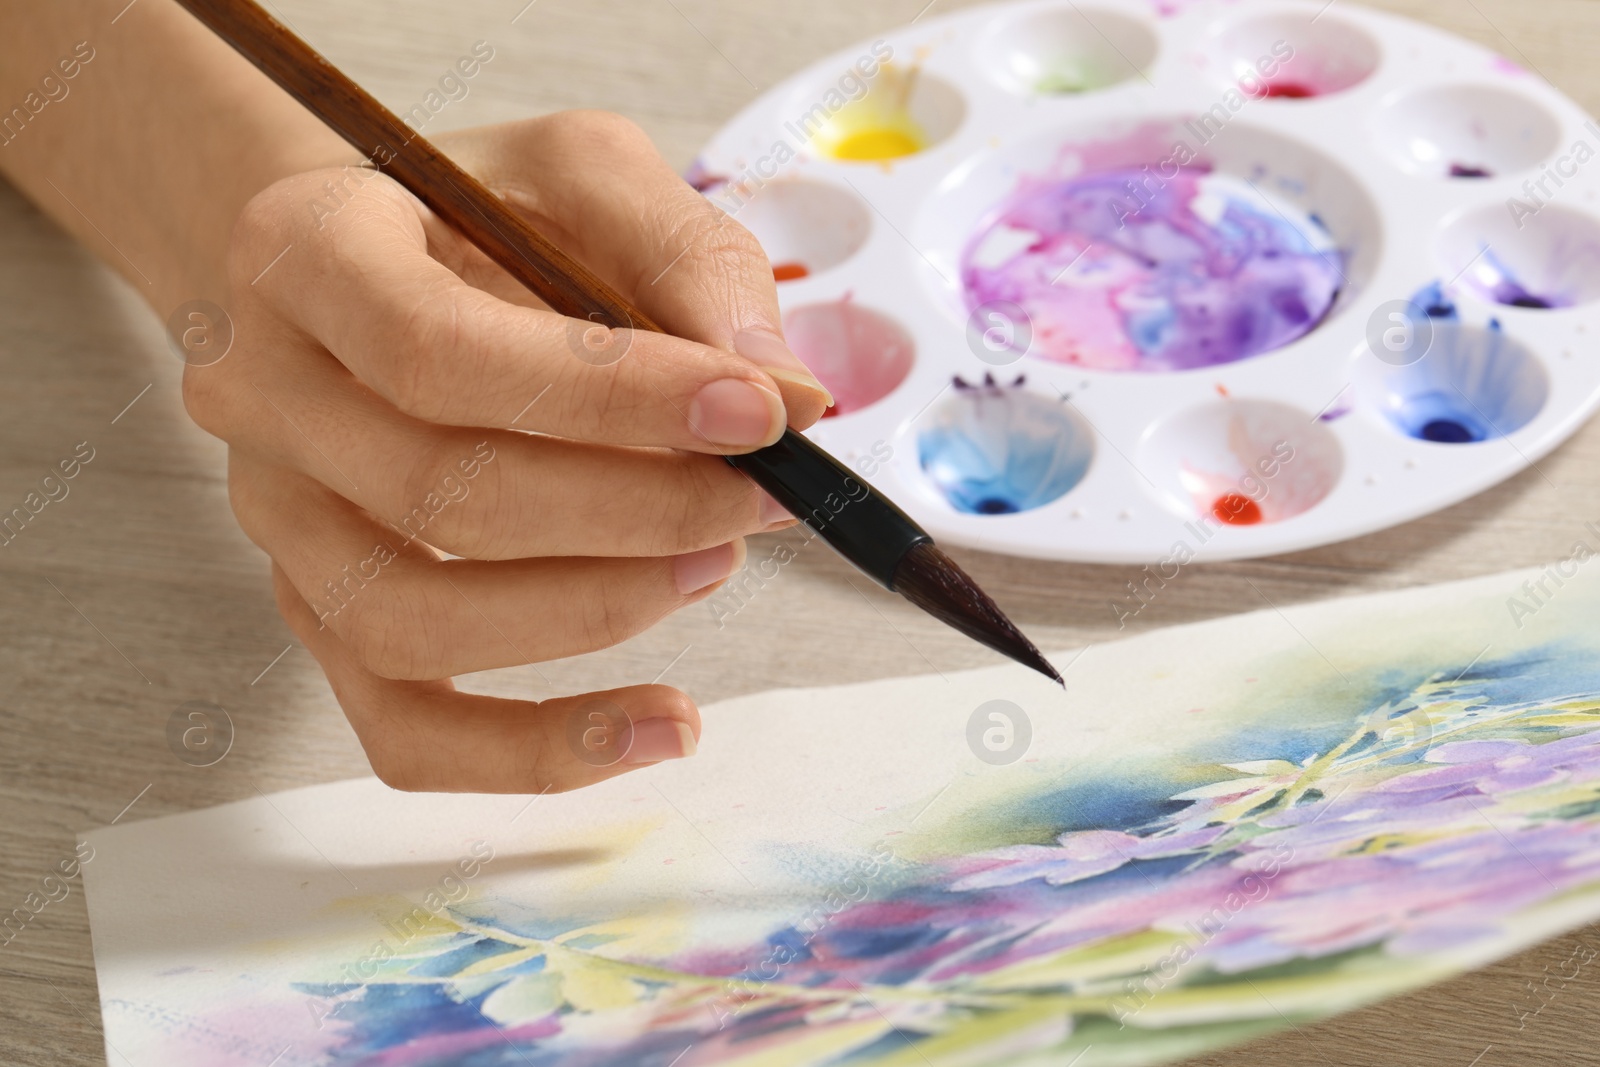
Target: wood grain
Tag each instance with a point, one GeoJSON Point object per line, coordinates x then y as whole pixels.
{"type": "Point", "coordinates": [137, 592]}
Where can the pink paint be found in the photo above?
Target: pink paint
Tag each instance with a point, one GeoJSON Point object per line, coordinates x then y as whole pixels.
{"type": "Point", "coordinates": [860, 355]}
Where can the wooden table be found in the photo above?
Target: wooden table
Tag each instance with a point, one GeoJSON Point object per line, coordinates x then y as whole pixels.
{"type": "Point", "coordinates": [137, 592]}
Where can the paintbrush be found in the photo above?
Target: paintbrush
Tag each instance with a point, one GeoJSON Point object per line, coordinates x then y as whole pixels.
{"type": "Point", "coordinates": [864, 526]}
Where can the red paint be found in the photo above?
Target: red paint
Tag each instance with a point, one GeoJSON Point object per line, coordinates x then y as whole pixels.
{"type": "Point", "coordinates": [788, 272]}
{"type": "Point", "coordinates": [1236, 509]}
{"type": "Point", "coordinates": [1290, 91]}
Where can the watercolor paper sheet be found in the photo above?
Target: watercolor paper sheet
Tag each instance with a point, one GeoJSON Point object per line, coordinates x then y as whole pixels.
{"type": "Point", "coordinates": [1218, 830]}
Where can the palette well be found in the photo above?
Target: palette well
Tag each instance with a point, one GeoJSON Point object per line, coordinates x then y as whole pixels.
{"type": "Point", "coordinates": [1106, 278]}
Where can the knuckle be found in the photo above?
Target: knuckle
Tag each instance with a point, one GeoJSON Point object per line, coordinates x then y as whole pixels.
{"type": "Point", "coordinates": [613, 613]}
{"type": "Point", "coordinates": [453, 500]}
{"type": "Point", "coordinates": [730, 251]}
{"type": "Point", "coordinates": [546, 770]}
{"type": "Point", "coordinates": [590, 130]}
{"type": "Point", "coordinates": [268, 219]}
{"type": "Point", "coordinates": [720, 254]}
{"type": "Point", "coordinates": [202, 398]}
{"type": "Point", "coordinates": [431, 331]}
{"type": "Point", "coordinates": [386, 630]}
{"type": "Point", "coordinates": [708, 508]}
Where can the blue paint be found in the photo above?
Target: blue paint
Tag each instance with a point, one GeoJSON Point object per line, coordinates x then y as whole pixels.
{"type": "Point", "coordinates": [1431, 299]}
{"type": "Point", "coordinates": [998, 450]}
{"type": "Point", "coordinates": [472, 950]}
{"type": "Point", "coordinates": [1448, 431]}
{"type": "Point", "coordinates": [1473, 385]}
{"type": "Point", "coordinates": [877, 942]}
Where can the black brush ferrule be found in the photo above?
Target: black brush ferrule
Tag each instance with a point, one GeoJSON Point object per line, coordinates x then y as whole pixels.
{"type": "Point", "coordinates": [861, 524]}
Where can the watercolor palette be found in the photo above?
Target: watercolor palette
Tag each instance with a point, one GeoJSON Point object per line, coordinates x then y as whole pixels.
{"type": "Point", "coordinates": [1104, 281]}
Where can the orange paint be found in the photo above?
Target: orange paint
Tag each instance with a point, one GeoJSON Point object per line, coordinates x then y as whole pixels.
{"type": "Point", "coordinates": [1236, 509]}
{"type": "Point", "coordinates": [788, 272]}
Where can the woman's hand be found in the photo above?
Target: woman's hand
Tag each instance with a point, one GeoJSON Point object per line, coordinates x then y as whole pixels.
{"type": "Point", "coordinates": [376, 400]}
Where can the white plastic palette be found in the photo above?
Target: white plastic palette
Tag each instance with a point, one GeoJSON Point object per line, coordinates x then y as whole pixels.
{"type": "Point", "coordinates": [1390, 150]}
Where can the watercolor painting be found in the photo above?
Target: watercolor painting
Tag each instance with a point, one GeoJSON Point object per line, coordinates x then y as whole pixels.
{"type": "Point", "coordinates": [1220, 830]}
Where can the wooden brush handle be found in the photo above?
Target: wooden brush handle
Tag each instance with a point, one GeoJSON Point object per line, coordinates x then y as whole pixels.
{"type": "Point", "coordinates": [406, 156]}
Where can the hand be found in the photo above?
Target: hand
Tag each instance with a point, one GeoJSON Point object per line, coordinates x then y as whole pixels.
{"type": "Point", "coordinates": [374, 401]}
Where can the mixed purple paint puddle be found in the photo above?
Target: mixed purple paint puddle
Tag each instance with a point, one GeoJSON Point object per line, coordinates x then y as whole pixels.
{"type": "Point", "coordinates": [1131, 270]}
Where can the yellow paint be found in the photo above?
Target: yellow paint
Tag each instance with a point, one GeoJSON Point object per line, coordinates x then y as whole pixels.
{"type": "Point", "coordinates": [875, 145]}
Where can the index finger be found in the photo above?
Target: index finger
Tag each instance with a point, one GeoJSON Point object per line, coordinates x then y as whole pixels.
{"type": "Point", "coordinates": [362, 285]}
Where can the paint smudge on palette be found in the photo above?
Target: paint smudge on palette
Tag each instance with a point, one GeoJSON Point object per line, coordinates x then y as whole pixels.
{"type": "Point", "coordinates": [998, 450]}
{"type": "Point", "coordinates": [1121, 270]}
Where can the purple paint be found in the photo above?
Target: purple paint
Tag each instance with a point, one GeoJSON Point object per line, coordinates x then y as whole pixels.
{"type": "Point", "coordinates": [1492, 278]}
{"type": "Point", "coordinates": [1128, 269]}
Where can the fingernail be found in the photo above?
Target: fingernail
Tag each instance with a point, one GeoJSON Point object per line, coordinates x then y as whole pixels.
{"type": "Point", "coordinates": [693, 571]}
{"type": "Point", "coordinates": [772, 511]}
{"type": "Point", "coordinates": [655, 740]}
{"type": "Point", "coordinates": [766, 350]}
{"type": "Point", "coordinates": [733, 411]}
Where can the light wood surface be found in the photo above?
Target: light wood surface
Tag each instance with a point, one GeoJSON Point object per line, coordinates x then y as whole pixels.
{"type": "Point", "coordinates": [137, 593]}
